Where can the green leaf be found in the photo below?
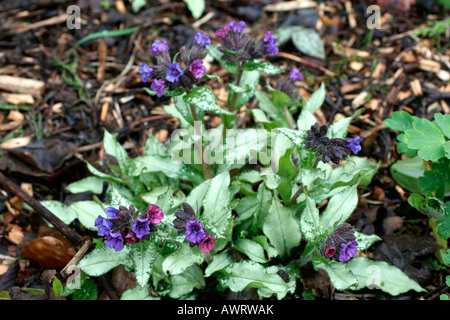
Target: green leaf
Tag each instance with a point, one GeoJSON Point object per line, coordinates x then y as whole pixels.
{"type": "Point", "coordinates": [219, 261]}
{"type": "Point", "coordinates": [251, 249]}
{"type": "Point", "coordinates": [138, 293]}
{"type": "Point", "coordinates": [427, 138]}
{"type": "Point", "coordinates": [143, 255]}
{"type": "Point", "coordinates": [103, 259]}
{"type": "Point", "coordinates": [365, 241]}
{"type": "Point", "coordinates": [184, 283]}
{"type": "Point", "coordinates": [88, 291]}
{"type": "Point", "coordinates": [340, 275]}
{"type": "Point", "coordinates": [113, 148]}
{"type": "Point", "coordinates": [204, 99]}
{"type": "Point", "coordinates": [400, 121]}
{"type": "Point", "coordinates": [102, 34]}
{"type": "Point", "coordinates": [339, 208]}
{"type": "Point", "coordinates": [249, 79]}
{"type": "Point", "coordinates": [379, 274]}
{"type": "Point", "coordinates": [282, 229]}
{"type": "Point", "coordinates": [296, 136]}
{"type": "Point", "coordinates": [88, 184]}
{"type": "Point", "coordinates": [308, 41]}
{"type": "Point", "coordinates": [61, 210]}
{"type": "Point", "coordinates": [248, 274]}
{"type": "Point", "coordinates": [87, 212]}
{"type": "Point", "coordinates": [443, 121]}
{"type": "Point", "coordinates": [179, 261]}
{"type": "Point", "coordinates": [309, 220]}
{"type": "Point", "coordinates": [266, 67]}
{"type": "Point", "coordinates": [196, 7]}
{"type": "Point", "coordinates": [339, 128]}
{"type": "Point", "coordinates": [214, 52]}
{"type": "Point", "coordinates": [429, 205]}
{"type": "Point", "coordinates": [215, 203]}
{"type": "Point", "coordinates": [406, 173]}
{"type": "Point", "coordinates": [315, 101]}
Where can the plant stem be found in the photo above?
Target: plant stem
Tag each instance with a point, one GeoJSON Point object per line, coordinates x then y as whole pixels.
{"type": "Point", "coordinates": [205, 167]}
{"type": "Point", "coordinates": [288, 117]}
{"type": "Point", "coordinates": [238, 82]}
{"type": "Point", "coordinates": [295, 196]}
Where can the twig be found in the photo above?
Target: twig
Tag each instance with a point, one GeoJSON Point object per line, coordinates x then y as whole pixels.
{"type": "Point", "coordinates": [10, 186]}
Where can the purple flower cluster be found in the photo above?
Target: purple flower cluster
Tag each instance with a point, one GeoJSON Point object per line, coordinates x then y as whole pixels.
{"type": "Point", "coordinates": [186, 223]}
{"type": "Point", "coordinates": [333, 150]}
{"type": "Point", "coordinates": [173, 75]}
{"type": "Point", "coordinates": [239, 47]}
{"type": "Point", "coordinates": [124, 226]}
{"type": "Point", "coordinates": [340, 245]}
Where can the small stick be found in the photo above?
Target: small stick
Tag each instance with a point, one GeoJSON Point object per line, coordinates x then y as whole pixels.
{"type": "Point", "coordinates": [73, 237]}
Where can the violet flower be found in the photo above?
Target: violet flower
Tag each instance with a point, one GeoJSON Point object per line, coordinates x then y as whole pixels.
{"type": "Point", "coordinates": [104, 226]}
{"type": "Point", "coordinates": [154, 214]}
{"type": "Point", "coordinates": [197, 68]}
{"type": "Point", "coordinates": [194, 231]}
{"type": "Point", "coordinates": [348, 250]}
{"type": "Point", "coordinates": [270, 40]}
{"type": "Point", "coordinates": [202, 39]}
{"type": "Point", "coordinates": [141, 227]}
{"type": "Point", "coordinates": [158, 86]}
{"type": "Point", "coordinates": [295, 75]}
{"type": "Point", "coordinates": [113, 213]}
{"type": "Point", "coordinates": [114, 241]}
{"type": "Point", "coordinates": [145, 71]}
{"type": "Point", "coordinates": [237, 27]}
{"type": "Point", "coordinates": [173, 72]}
{"type": "Point", "coordinates": [353, 144]}
{"type": "Point", "coordinates": [159, 46]}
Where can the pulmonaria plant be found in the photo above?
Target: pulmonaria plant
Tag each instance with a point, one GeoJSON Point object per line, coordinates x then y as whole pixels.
{"type": "Point", "coordinates": [175, 76]}
{"type": "Point", "coordinates": [186, 223]}
{"type": "Point", "coordinates": [335, 149]}
{"type": "Point", "coordinates": [125, 225]}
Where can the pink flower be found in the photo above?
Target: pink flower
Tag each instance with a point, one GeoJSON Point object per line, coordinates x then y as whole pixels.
{"type": "Point", "coordinates": [154, 214]}
{"type": "Point", "coordinates": [207, 244]}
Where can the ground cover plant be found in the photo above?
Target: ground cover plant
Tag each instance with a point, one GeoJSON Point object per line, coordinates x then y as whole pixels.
{"type": "Point", "coordinates": [260, 187]}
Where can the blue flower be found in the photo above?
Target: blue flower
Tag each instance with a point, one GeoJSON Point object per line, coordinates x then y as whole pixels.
{"type": "Point", "coordinates": [173, 72]}
{"type": "Point", "coordinates": [145, 71]}
{"type": "Point", "coordinates": [141, 227]}
{"type": "Point", "coordinates": [237, 27]}
{"type": "Point", "coordinates": [158, 86]}
{"type": "Point", "coordinates": [194, 231]}
{"type": "Point", "coordinates": [104, 226]}
{"type": "Point", "coordinates": [353, 144]}
{"type": "Point", "coordinates": [113, 212]}
{"type": "Point", "coordinates": [270, 40]}
{"type": "Point", "coordinates": [114, 241]}
{"type": "Point", "coordinates": [159, 46]}
{"type": "Point", "coordinates": [348, 250]}
{"type": "Point", "coordinates": [295, 75]}
{"type": "Point", "coordinates": [202, 39]}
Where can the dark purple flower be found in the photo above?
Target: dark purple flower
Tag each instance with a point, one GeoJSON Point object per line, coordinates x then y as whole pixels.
{"type": "Point", "coordinates": [154, 214]}
{"type": "Point", "coordinates": [194, 231]}
{"type": "Point", "coordinates": [197, 68]}
{"type": "Point", "coordinates": [158, 46]}
{"type": "Point", "coordinates": [183, 216]}
{"type": "Point", "coordinates": [202, 39]}
{"type": "Point", "coordinates": [104, 226]}
{"type": "Point", "coordinates": [114, 241]}
{"type": "Point", "coordinates": [348, 250]}
{"type": "Point", "coordinates": [333, 150]}
{"type": "Point", "coordinates": [113, 212]}
{"type": "Point", "coordinates": [353, 144]}
{"type": "Point", "coordinates": [237, 27]}
{"type": "Point", "coordinates": [173, 72]}
{"type": "Point", "coordinates": [158, 86]}
{"type": "Point", "coordinates": [330, 252]}
{"type": "Point", "coordinates": [207, 244]}
{"type": "Point", "coordinates": [295, 75]}
{"type": "Point", "coordinates": [141, 227]}
{"type": "Point", "coordinates": [316, 136]}
{"type": "Point", "coordinates": [145, 71]}
{"type": "Point", "coordinates": [130, 238]}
